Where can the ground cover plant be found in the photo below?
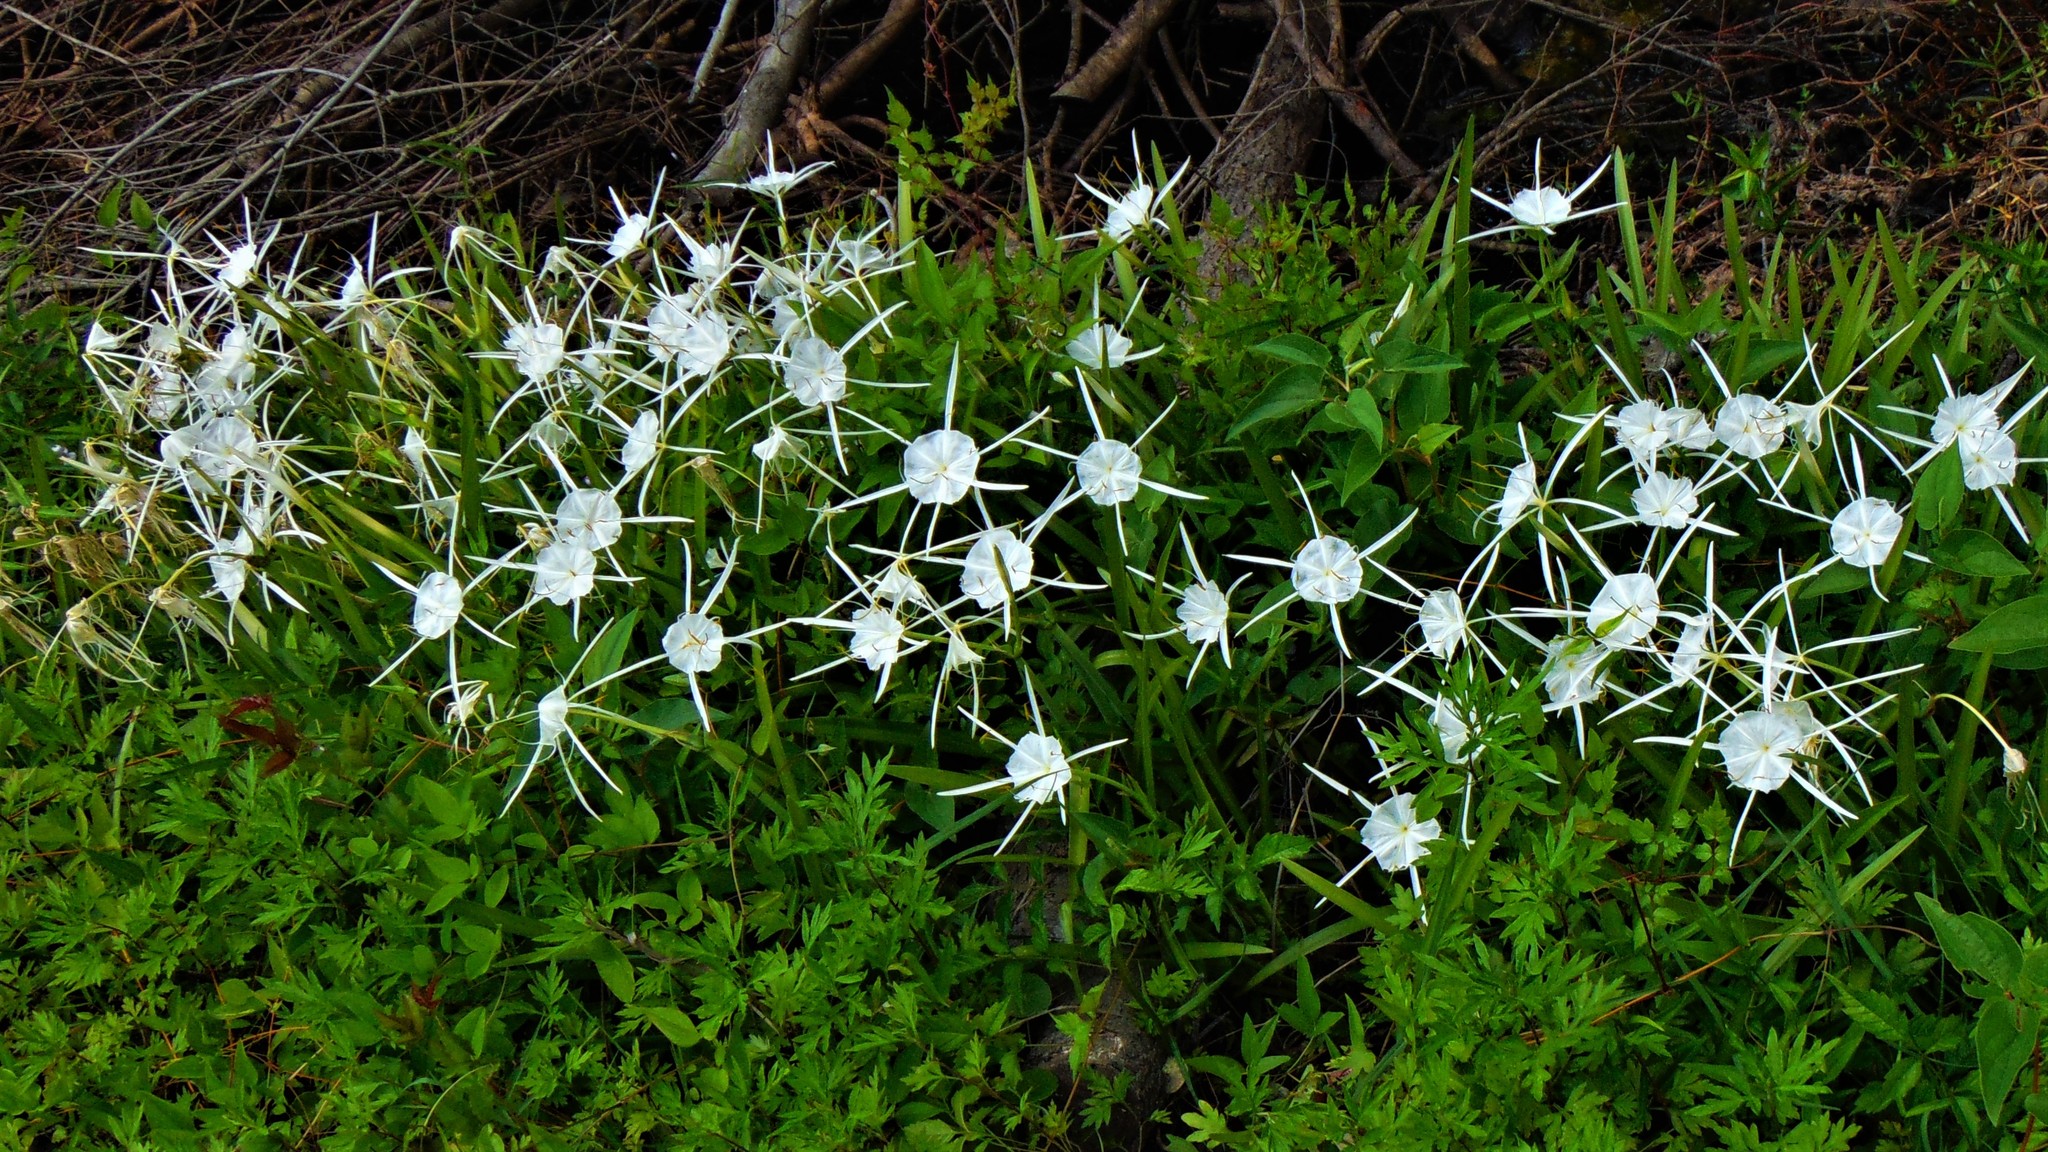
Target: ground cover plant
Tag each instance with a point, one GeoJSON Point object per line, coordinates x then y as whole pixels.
{"type": "Point", "coordinates": [764, 680]}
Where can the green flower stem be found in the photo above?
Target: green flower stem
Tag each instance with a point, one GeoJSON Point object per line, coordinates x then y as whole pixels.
{"type": "Point", "coordinates": [784, 777]}
{"type": "Point", "coordinates": [1962, 751]}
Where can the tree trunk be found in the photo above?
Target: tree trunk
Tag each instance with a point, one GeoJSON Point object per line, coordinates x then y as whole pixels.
{"type": "Point", "coordinates": [1267, 140]}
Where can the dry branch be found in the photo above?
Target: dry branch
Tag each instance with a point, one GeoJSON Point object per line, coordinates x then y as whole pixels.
{"type": "Point", "coordinates": [1114, 58]}
{"type": "Point", "coordinates": [761, 99]}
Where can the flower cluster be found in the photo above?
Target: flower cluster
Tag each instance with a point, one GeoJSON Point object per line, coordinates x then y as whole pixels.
{"type": "Point", "coordinates": [646, 417]}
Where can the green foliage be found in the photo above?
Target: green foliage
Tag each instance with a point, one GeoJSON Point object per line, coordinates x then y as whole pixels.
{"type": "Point", "coordinates": [257, 902]}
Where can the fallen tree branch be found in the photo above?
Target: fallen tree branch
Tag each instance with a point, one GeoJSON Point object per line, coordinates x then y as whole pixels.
{"type": "Point", "coordinates": [1114, 58]}
{"type": "Point", "coordinates": [767, 89]}
{"type": "Point", "coordinates": [852, 66]}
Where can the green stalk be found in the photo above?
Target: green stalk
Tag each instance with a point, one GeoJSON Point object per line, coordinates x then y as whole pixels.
{"type": "Point", "coordinates": [1283, 503]}
{"type": "Point", "coordinates": [1962, 751]}
{"type": "Point", "coordinates": [784, 777]}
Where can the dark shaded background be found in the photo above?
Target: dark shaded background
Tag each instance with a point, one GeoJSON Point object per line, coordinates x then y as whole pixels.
{"type": "Point", "coordinates": [322, 114]}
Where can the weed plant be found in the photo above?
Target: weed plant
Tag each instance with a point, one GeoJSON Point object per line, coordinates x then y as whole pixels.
{"type": "Point", "coordinates": [763, 681]}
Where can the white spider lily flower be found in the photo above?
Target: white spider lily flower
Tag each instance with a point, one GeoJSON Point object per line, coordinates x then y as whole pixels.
{"type": "Point", "coordinates": [697, 343]}
{"type": "Point", "coordinates": [1666, 501]}
{"type": "Point", "coordinates": [1453, 731]}
{"type": "Point", "coordinates": [1517, 495]}
{"type": "Point", "coordinates": [1327, 570]}
{"type": "Point", "coordinates": [1624, 612]}
{"type": "Point", "coordinates": [219, 447]}
{"type": "Point", "coordinates": [1757, 749]}
{"type": "Point", "coordinates": [537, 349]}
{"type": "Point", "coordinates": [710, 262]}
{"type": "Point", "coordinates": [694, 643]}
{"type": "Point", "coordinates": [1687, 429]}
{"type": "Point", "coordinates": [643, 444]}
{"type": "Point", "coordinates": [1444, 624]}
{"type": "Point", "coordinates": [552, 728]}
{"type": "Point", "coordinates": [590, 517]}
{"type": "Point", "coordinates": [1573, 673]}
{"type": "Point", "coordinates": [1521, 496]}
{"type": "Point", "coordinates": [815, 372]}
{"type": "Point", "coordinates": [1865, 530]}
{"type": "Point", "coordinates": [997, 568]}
{"type": "Point", "coordinates": [774, 182]}
{"type": "Point", "coordinates": [1962, 416]}
{"type": "Point", "coordinates": [1108, 471]}
{"type": "Point", "coordinates": [859, 256]}
{"type": "Point", "coordinates": [100, 341]}
{"type": "Point", "coordinates": [1861, 535]}
{"type": "Point", "coordinates": [1103, 346]}
{"type": "Point", "coordinates": [238, 265]}
{"type": "Point", "coordinates": [878, 635]}
{"type": "Point", "coordinates": [1396, 839]}
{"type": "Point", "coordinates": [1543, 207]}
{"type": "Point", "coordinates": [939, 467]}
{"type": "Point", "coordinates": [1204, 615]}
{"type": "Point", "coordinates": [942, 466]}
{"type": "Point", "coordinates": [1203, 610]}
{"type": "Point", "coordinates": [898, 585]}
{"type": "Point", "coordinates": [1991, 459]}
{"type": "Point", "coordinates": [1038, 770]}
{"type": "Point", "coordinates": [778, 444]}
{"type": "Point", "coordinates": [631, 234]}
{"type": "Point", "coordinates": [229, 564]}
{"type": "Point", "coordinates": [1139, 206]}
{"type": "Point", "coordinates": [1760, 750]}
{"type": "Point", "coordinates": [221, 381]}
{"type": "Point", "coordinates": [1959, 416]}
{"type": "Point", "coordinates": [1392, 836]}
{"type": "Point", "coordinates": [437, 605]}
{"type": "Point", "coordinates": [1751, 426]}
{"type": "Point", "coordinates": [814, 375]}
{"type": "Point", "coordinates": [1644, 430]}
{"type": "Point", "coordinates": [564, 572]}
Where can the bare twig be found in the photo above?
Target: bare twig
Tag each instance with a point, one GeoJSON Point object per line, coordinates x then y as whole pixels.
{"type": "Point", "coordinates": [1352, 103]}
{"type": "Point", "coordinates": [1187, 89]}
{"type": "Point", "coordinates": [68, 38]}
{"type": "Point", "coordinates": [705, 65]}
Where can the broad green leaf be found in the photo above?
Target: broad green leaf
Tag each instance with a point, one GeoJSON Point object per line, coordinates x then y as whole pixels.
{"type": "Point", "coordinates": [1360, 464]}
{"type": "Point", "coordinates": [1431, 437]}
{"type": "Point", "coordinates": [2005, 1036]}
{"type": "Point", "coordinates": [1295, 390]}
{"type": "Point", "coordinates": [2018, 627]}
{"type": "Point", "coordinates": [1938, 494]}
{"type": "Point", "coordinates": [673, 1023]}
{"type": "Point", "coordinates": [1397, 354]}
{"type": "Point", "coordinates": [1295, 349]}
{"type": "Point", "coordinates": [613, 968]}
{"type": "Point", "coordinates": [1975, 943]}
{"type": "Point", "coordinates": [1975, 553]}
{"type": "Point", "coordinates": [1365, 409]}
